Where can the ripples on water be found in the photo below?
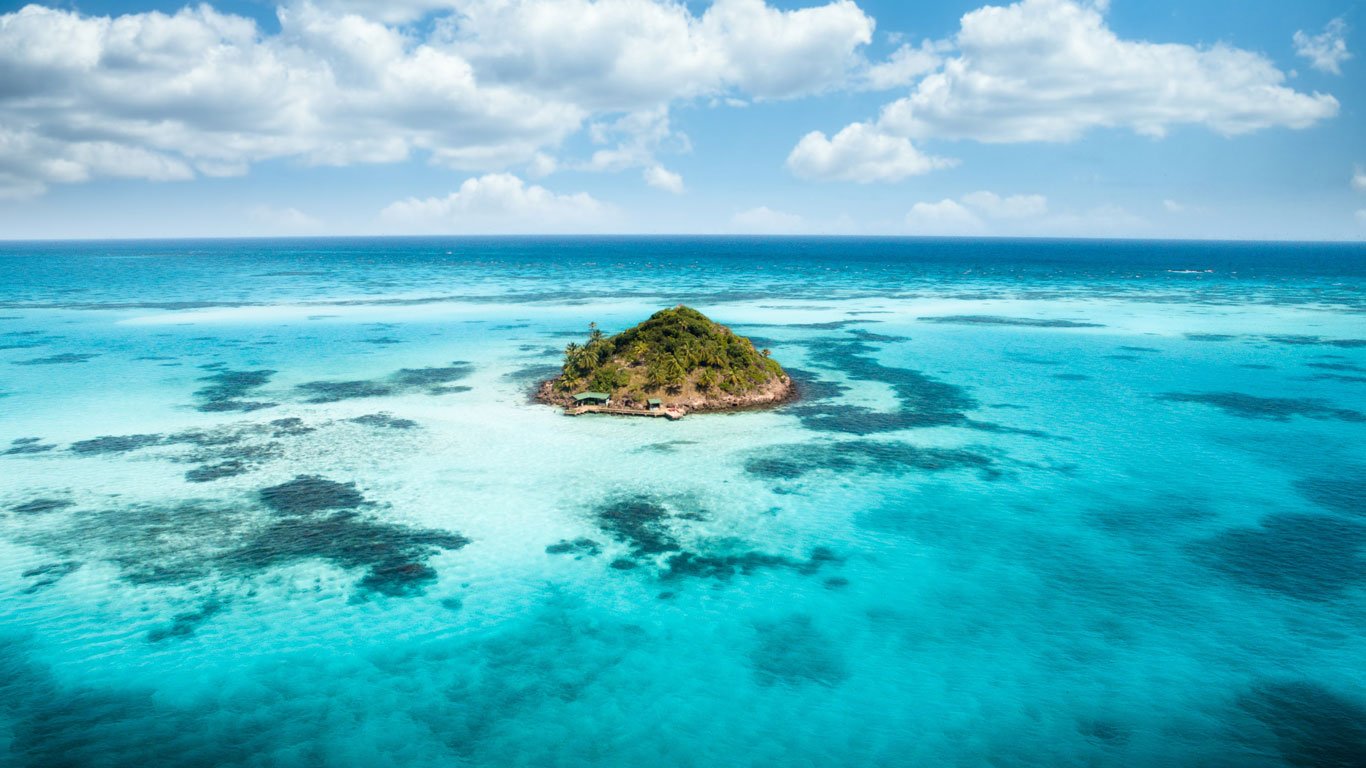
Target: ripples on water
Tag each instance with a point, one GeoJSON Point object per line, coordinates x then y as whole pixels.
{"type": "Point", "coordinates": [1040, 504]}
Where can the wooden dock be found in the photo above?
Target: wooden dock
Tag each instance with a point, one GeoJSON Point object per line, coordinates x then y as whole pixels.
{"type": "Point", "coordinates": [673, 414]}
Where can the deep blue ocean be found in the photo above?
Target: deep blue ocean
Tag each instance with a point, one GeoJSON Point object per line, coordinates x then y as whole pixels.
{"type": "Point", "coordinates": [288, 503]}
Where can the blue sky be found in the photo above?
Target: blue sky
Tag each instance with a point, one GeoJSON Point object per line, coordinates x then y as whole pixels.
{"type": "Point", "coordinates": [1070, 118]}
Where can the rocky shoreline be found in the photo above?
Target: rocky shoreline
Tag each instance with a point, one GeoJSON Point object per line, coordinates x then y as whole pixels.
{"type": "Point", "coordinates": [777, 392]}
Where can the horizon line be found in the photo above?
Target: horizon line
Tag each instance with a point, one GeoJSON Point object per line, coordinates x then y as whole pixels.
{"type": "Point", "coordinates": [681, 236]}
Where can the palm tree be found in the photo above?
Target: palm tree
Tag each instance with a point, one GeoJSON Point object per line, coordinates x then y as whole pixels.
{"type": "Point", "coordinates": [655, 374]}
{"type": "Point", "coordinates": [706, 380]}
{"type": "Point", "coordinates": [674, 375]}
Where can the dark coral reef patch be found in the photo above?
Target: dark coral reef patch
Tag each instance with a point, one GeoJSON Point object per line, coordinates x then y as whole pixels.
{"type": "Point", "coordinates": [579, 548]}
{"type": "Point", "coordinates": [394, 557]}
{"type": "Point", "coordinates": [65, 358]}
{"type": "Point", "coordinates": [47, 575]}
{"type": "Point", "coordinates": [306, 494]}
{"type": "Point", "coordinates": [27, 445]}
{"type": "Point", "coordinates": [384, 421]}
{"type": "Point", "coordinates": [654, 532]}
{"type": "Point", "coordinates": [1344, 492]}
{"type": "Point", "coordinates": [226, 389]}
{"type": "Point", "coordinates": [1307, 557]}
{"type": "Point", "coordinates": [41, 506]}
{"type": "Point", "coordinates": [1313, 725]}
{"type": "Point", "coordinates": [1024, 322]}
{"type": "Point", "coordinates": [1266, 408]}
{"type": "Point", "coordinates": [431, 381]}
{"type": "Point", "coordinates": [307, 518]}
{"type": "Point", "coordinates": [210, 472]}
{"type": "Point", "coordinates": [336, 391]}
{"type": "Point", "coordinates": [923, 401]}
{"type": "Point", "coordinates": [790, 462]}
{"type": "Point", "coordinates": [1318, 341]}
{"type": "Point", "coordinates": [184, 624]}
{"type": "Point", "coordinates": [115, 444]}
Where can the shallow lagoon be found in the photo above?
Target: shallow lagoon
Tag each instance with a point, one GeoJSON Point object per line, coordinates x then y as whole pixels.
{"type": "Point", "coordinates": [1042, 504]}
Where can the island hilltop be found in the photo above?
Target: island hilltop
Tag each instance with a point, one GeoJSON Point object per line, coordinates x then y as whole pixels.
{"type": "Point", "coordinates": [676, 362]}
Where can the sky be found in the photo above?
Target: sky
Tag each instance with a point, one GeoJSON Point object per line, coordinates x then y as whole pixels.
{"type": "Point", "coordinates": [1224, 119]}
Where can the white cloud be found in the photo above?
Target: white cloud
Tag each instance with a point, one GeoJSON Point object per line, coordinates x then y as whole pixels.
{"type": "Point", "coordinates": [1051, 70]}
{"type": "Point", "coordinates": [162, 96]}
{"type": "Point", "coordinates": [542, 165]}
{"type": "Point", "coordinates": [1013, 207]}
{"type": "Point", "coordinates": [780, 54]}
{"type": "Point", "coordinates": [945, 217]}
{"type": "Point", "coordinates": [766, 221]}
{"type": "Point", "coordinates": [1359, 179]}
{"type": "Point", "coordinates": [488, 85]}
{"type": "Point", "coordinates": [660, 177]}
{"type": "Point", "coordinates": [635, 137]}
{"type": "Point", "coordinates": [29, 162]}
{"type": "Point", "coordinates": [859, 153]}
{"type": "Point", "coordinates": [626, 55]}
{"type": "Point", "coordinates": [1327, 50]}
{"type": "Point", "coordinates": [1171, 206]}
{"type": "Point", "coordinates": [1361, 216]}
{"type": "Point", "coordinates": [499, 203]}
{"type": "Point", "coordinates": [971, 213]}
{"type": "Point", "coordinates": [987, 214]}
{"type": "Point", "coordinates": [904, 66]}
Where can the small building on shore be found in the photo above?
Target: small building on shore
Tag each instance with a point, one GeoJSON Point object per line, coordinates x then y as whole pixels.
{"type": "Point", "coordinates": [654, 404]}
{"type": "Point", "coordinates": [593, 398]}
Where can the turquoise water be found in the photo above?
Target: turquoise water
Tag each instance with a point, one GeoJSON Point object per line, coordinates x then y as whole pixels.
{"type": "Point", "coordinates": [1042, 503]}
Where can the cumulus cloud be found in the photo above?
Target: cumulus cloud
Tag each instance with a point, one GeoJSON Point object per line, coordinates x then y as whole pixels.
{"type": "Point", "coordinates": [30, 161]}
{"type": "Point", "coordinates": [971, 213]}
{"type": "Point", "coordinates": [1359, 179]}
{"type": "Point", "coordinates": [631, 54]}
{"type": "Point", "coordinates": [1327, 50]}
{"type": "Point", "coordinates": [499, 203]}
{"type": "Point", "coordinates": [986, 213]}
{"type": "Point", "coordinates": [660, 177]}
{"type": "Point", "coordinates": [861, 153]}
{"type": "Point", "coordinates": [635, 138]}
{"type": "Point", "coordinates": [905, 66]}
{"type": "Point", "coordinates": [486, 85]}
{"type": "Point", "coordinates": [1013, 207]}
{"type": "Point", "coordinates": [945, 217]}
{"type": "Point", "coordinates": [164, 96]}
{"type": "Point", "coordinates": [542, 165]}
{"type": "Point", "coordinates": [1052, 70]}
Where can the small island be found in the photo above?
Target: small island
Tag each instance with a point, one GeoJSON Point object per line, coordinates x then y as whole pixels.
{"type": "Point", "coordinates": [677, 362]}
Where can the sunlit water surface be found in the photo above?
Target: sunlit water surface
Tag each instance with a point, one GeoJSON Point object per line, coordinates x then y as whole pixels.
{"type": "Point", "coordinates": [1066, 504]}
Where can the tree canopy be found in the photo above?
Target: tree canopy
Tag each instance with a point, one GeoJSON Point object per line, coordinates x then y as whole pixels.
{"type": "Point", "coordinates": [675, 349]}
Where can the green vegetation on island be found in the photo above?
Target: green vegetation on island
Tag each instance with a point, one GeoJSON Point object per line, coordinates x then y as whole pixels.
{"type": "Point", "coordinates": [679, 354]}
